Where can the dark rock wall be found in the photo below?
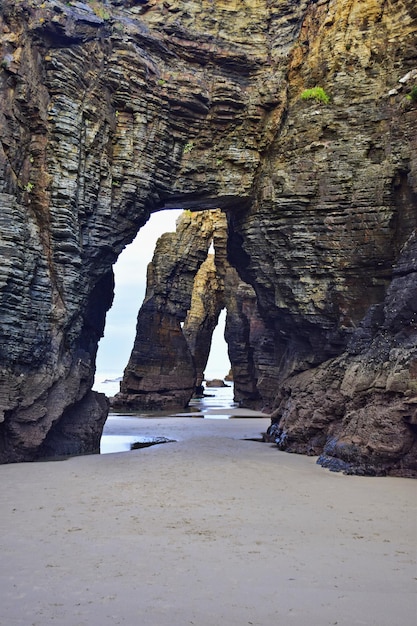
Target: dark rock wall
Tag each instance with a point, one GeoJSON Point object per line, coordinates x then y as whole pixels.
{"type": "Point", "coordinates": [336, 207]}
{"type": "Point", "coordinates": [109, 112]}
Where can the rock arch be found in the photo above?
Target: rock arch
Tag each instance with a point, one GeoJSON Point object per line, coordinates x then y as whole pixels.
{"type": "Point", "coordinates": [106, 118]}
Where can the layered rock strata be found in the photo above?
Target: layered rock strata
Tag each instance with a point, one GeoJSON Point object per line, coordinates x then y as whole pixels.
{"type": "Point", "coordinates": [187, 288]}
{"type": "Point", "coordinates": [217, 286]}
{"type": "Point", "coordinates": [110, 112]}
{"type": "Point", "coordinates": [161, 371]}
{"type": "Point", "coordinates": [336, 208]}
{"type": "Point", "coordinates": [247, 339]}
{"type": "Point", "coordinates": [207, 302]}
{"type": "Point", "coordinates": [359, 411]}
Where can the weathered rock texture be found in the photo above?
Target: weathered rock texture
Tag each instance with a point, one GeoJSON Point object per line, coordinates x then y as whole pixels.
{"type": "Point", "coordinates": [207, 302]}
{"type": "Point", "coordinates": [217, 286]}
{"type": "Point", "coordinates": [161, 370]}
{"type": "Point", "coordinates": [336, 206]}
{"type": "Point", "coordinates": [207, 298]}
{"type": "Point", "coordinates": [359, 411]}
{"type": "Point", "coordinates": [111, 112]}
{"type": "Point", "coordinates": [187, 288]}
{"type": "Point", "coordinates": [247, 340]}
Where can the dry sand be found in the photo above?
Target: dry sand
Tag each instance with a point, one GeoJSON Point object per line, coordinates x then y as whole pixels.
{"type": "Point", "coordinates": [211, 530]}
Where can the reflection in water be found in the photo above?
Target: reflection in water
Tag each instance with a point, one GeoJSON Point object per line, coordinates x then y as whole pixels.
{"type": "Point", "coordinates": [117, 443]}
{"type": "Point", "coordinates": [215, 398]}
{"type": "Point", "coordinates": [116, 439]}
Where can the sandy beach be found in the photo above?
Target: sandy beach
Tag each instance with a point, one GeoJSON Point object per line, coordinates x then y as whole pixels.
{"type": "Point", "coordinates": [212, 529]}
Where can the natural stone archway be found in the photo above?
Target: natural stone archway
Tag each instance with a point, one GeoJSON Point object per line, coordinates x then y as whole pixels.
{"type": "Point", "coordinates": [207, 298]}
{"type": "Point", "coordinates": [107, 116]}
{"type": "Point", "coordinates": [215, 288]}
{"type": "Point", "coordinates": [207, 302]}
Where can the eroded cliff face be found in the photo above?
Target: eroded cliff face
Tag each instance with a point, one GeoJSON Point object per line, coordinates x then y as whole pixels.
{"type": "Point", "coordinates": [336, 205]}
{"type": "Point", "coordinates": [217, 286]}
{"type": "Point", "coordinates": [207, 298]}
{"type": "Point", "coordinates": [111, 113]}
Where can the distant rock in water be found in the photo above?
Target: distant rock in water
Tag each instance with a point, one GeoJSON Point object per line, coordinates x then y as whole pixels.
{"type": "Point", "coordinates": [216, 382]}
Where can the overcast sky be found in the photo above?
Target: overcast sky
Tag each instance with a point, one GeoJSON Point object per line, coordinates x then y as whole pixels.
{"type": "Point", "coordinates": [130, 278]}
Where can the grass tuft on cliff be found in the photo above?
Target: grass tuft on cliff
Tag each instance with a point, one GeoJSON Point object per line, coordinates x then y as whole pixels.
{"type": "Point", "coordinates": [315, 93]}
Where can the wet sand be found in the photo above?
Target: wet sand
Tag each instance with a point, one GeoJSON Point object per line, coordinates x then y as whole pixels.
{"type": "Point", "coordinates": [211, 530]}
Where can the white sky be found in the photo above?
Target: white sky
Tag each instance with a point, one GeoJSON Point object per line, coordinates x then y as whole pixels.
{"type": "Point", "coordinates": [130, 278]}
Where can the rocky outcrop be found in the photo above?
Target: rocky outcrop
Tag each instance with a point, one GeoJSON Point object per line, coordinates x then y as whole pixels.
{"type": "Point", "coordinates": [208, 296]}
{"type": "Point", "coordinates": [161, 372]}
{"type": "Point", "coordinates": [187, 288]}
{"type": "Point", "coordinates": [359, 411]}
{"type": "Point", "coordinates": [248, 341]}
{"type": "Point", "coordinates": [217, 286]}
{"type": "Point", "coordinates": [110, 112]}
{"type": "Point", "coordinates": [206, 305]}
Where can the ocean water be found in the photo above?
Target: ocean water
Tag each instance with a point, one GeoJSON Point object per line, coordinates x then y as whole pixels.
{"type": "Point", "coordinates": [215, 398]}
{"type": "Point", "coordinates": [115, 437]}
{"type": "Point", "coordinates": [107, 382]}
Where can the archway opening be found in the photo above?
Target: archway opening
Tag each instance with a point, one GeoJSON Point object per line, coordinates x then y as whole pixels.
{"type": "Point", "coordinates": [130, 285]}
{"type": "Point", "coordinates": [144, 361]}
{"type": "Point", "coordinates": [133, 324]}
